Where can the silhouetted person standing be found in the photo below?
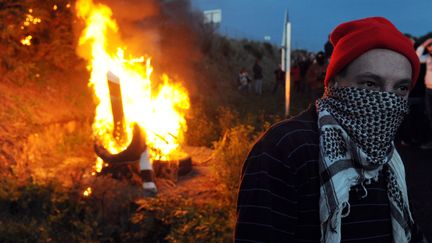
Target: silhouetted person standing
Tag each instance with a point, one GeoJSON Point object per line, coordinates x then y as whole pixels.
{"type": "Point", "coordinates": [258, 77]}
{"type": "Point", "coordinates": [279, 78]}
{"type": "Point", "coordinates": [315, 75]}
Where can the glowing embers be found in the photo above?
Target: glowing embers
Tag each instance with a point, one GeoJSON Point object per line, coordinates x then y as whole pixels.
{"type": "Point", "coordinates": [29, 20]}
{"type": "Point", "coordinates": [27, 40]}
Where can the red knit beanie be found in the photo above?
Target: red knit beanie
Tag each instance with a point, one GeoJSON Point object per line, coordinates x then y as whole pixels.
{"type": "Point", "coordinates": [352, 39]}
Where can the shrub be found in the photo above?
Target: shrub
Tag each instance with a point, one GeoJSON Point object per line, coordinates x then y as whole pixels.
{"type": "Point", "coordinates": [269, 48]}
{"type": "Point", "coordinates": [226, 47]}
{"type": "Point", "coordinates": [230, 153]}
{"type": "Point", "coordinates": [179, 219]}
{"type": "Point", "coordinates": [43, 213]}
{"type": "Point", "coordinates": [202, 130]}
{"type": "Point", "coordinates": [227, 118]}
{"type": "Point", "coordinates": [253, 49]}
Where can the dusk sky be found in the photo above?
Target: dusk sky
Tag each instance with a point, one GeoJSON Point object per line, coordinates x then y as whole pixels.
{"type": "Point", "coordinates": [313, 20]}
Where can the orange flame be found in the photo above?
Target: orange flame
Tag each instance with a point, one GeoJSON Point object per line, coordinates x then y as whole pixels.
{"type": "Point", "coordinates": [30, 19]}
{"type": "Point", "coordinates": [158, 109]}
{"type": "Point", "coordinates": [26, 41]}
{"type": "Point", "coordinates": [87, 192]}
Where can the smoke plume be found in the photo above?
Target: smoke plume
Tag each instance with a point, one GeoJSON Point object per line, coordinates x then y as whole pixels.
{"type": "Point", "coordinates": [168, 31]}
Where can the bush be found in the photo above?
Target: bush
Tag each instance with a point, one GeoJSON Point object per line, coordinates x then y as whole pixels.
{"type": "Point", "coordinates": [269, 49]}
{"type": "Point", "coordinates": [180, 219]}
{"type": "Point", "coordinates": [48, 212]}
{"type": "Point", "coordinates": [227, 118]}
{"type": "Point", "coordinates": [202, 130]}
{"type": "Point", "coordinates": [253, 49]}
{"type": "Point", "coordinates": [43, 213]}
{"type": "Point", "coordinates": [225, 47]}
{"type": "Point", "coordinates": [230, 153]}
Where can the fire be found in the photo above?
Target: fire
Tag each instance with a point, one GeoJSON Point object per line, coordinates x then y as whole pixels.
{"type": "Point", "coordinates": [26, 41]}
{"type": "Point", "coordinates": [157, 107]}
{"type": "Point", "coordinates": [99, 165]}
{"type": "Point", "coordinates": [87, 192]}
{"type": "Point", "coordinates": [30, 19]}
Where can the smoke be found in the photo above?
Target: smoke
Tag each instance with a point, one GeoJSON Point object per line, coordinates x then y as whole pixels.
{"type": "Point", "coordinates": [168, 31]}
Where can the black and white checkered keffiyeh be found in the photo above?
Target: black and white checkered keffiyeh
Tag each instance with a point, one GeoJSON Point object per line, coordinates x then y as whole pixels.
{"type": "Point", "coordinates": [357, 129]}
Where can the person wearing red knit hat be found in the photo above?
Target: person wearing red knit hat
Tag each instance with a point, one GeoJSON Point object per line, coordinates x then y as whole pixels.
{"type": "Point", "coordinates": [332, 173]}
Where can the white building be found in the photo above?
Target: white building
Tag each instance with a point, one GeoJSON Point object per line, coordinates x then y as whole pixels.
{"type": "Point", "coordinates": [213, 16]}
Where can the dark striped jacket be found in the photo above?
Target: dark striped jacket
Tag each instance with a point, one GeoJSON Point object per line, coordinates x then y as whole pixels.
{"type": "Point", "coordinates": [279, 192]}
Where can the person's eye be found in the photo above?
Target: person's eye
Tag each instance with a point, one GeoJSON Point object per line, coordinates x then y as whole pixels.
{"type": "Point", "coordinates": [368, 83]}
{"type": "Point", "coordinates": [403, 90]}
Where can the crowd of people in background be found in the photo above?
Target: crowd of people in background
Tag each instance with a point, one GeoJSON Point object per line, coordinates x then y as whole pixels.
{"type": "Point", "coordinates": [307, 75]}
{"type": "Point", "coordinates": [417, 127]}
{"type": "Point", "coordinates": [245, 82]}
{"type": "Point", "coordinates": [308, 71]}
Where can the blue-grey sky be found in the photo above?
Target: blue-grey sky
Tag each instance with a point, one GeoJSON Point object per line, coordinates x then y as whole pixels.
{"type": "Point", "coordinates": [313, 20]}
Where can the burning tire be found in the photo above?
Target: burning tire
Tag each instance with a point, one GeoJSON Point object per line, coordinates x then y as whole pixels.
{"type": "Point", "coordinates": [173, 169]}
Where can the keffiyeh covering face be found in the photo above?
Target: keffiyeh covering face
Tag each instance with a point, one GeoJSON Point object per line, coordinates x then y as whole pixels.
{"type": "Point", "coordinates": [357, 128]}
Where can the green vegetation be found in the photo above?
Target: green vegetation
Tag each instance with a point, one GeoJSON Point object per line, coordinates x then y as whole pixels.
{"type": "Point", "coordinates": [46, 148]}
